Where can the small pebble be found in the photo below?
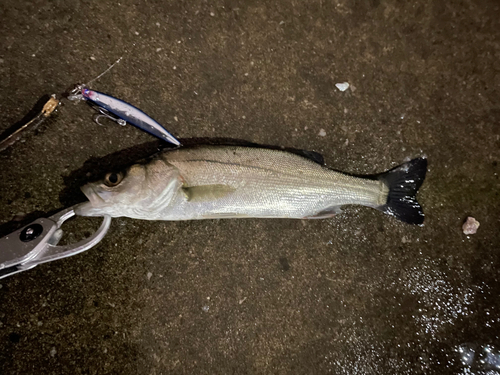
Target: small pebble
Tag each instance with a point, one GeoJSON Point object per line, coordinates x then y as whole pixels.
{"type": "Point", "coordinates": [53, 351]}
{"type": "Point", "coordinates": [149, 275]}
{"type": "Point", "coordinates": [158, 49]}
{"type": "Point", "coordinates": [470, 226]}
{"type": "Point", "coordinates": [92, 58]}
{"type": "Point", "coordinates": [205, 308]}
{"type": "Point", "coordinates": [176, 119]}
{"type": "Point", "coordinates": [322, 132]}
{"type": "Point", "coordinates": [342, 86]}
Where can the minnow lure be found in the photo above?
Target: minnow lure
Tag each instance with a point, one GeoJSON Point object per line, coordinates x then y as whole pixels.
{"type": "Point", "coordinates": [121, 112]}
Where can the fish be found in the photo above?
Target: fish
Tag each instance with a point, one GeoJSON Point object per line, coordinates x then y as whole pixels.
{"type": "Point", "coordinates": [223, 182]}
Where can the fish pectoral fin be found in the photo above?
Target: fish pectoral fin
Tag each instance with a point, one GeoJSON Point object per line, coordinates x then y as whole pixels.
{"type": "Point", "coordinates": [326, 214]}
{"type": "Point", "coordinates": [206, 192]}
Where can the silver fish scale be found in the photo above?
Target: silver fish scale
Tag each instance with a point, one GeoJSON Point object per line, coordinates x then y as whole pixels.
{"type": "Point", "coordinates": [262, 183]}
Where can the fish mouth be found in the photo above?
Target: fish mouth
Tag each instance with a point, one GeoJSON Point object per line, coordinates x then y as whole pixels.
{"type": "Point", "coordinates": [93, 206]}
{"type": "Point", "coordinates": [92, 195]}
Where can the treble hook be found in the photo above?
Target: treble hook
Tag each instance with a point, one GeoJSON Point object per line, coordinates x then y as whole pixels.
{"type": "Point", "coordinates": [105, 114]}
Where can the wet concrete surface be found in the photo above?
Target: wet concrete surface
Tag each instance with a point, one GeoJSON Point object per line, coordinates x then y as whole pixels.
{"type": "Point", "coordinates": [357, 294]}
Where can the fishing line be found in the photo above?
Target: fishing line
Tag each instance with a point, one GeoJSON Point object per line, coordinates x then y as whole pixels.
{"type": "Point", "coordinates": [103, 73]}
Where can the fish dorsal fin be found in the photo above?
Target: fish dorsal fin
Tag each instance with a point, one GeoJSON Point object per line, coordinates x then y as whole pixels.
{"type": "Point", "coordinates": [311, 155]}
{"type": "Point", "coordinates": [206, 192]}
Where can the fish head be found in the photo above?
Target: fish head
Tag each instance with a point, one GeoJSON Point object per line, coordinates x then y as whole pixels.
{"type": "Point", "coordinates": [135, 192]}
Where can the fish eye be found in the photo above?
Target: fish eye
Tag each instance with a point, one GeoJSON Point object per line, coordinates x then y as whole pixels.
{"type": "Point", "coordinates": [113, 179]}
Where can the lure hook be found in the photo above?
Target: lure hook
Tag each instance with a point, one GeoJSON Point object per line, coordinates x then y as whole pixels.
{"type": "Point", "coordinates": [103, 113]}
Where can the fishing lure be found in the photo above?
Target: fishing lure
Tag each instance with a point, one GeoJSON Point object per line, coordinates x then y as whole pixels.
{"type": "Point", "coordinates": [121, 112]}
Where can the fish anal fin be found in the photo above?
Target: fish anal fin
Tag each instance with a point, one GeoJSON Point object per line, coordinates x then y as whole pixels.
{"type": "Point", "coordinates": [326, 214]}
{"type": "Point", "coordinates": [206, 192]}
{"type": "Point", "coordinates": [225, 215]}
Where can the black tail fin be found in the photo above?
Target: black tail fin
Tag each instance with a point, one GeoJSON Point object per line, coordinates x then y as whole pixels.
{"type": "Point", "coordinates": [403, 183]}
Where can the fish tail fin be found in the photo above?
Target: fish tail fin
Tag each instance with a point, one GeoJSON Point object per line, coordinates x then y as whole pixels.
{"type": "Point", "coordinates": [403, 183]}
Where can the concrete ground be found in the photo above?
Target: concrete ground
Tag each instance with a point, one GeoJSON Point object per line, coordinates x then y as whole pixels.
{"type": "Point", "coordinates": [357, 294]}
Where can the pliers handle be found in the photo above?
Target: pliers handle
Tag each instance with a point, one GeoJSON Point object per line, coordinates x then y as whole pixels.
{"type": "Point", "coordinates": [37, 242]}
